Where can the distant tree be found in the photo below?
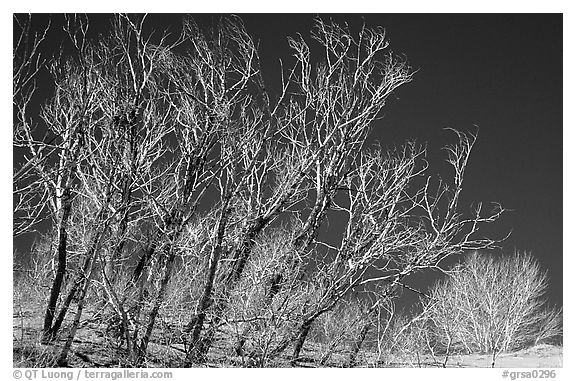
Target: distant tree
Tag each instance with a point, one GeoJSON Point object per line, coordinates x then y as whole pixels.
{"type": "Point", "coordinates": [491, 305]}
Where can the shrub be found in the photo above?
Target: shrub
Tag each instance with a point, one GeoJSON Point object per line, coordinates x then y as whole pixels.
{"type": "Point", "coordinates": [490, 305]}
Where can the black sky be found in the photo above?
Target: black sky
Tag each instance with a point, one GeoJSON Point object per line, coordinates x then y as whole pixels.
{"type": "Point", "coordinates": [500, 72]}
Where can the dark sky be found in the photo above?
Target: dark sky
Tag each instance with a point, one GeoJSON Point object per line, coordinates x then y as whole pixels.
{"type": "Point", "coordinates": [502, 73]}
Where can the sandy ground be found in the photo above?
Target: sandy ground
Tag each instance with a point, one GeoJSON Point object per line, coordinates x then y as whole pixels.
{"type": "Point", "coordinates": [541, 356]}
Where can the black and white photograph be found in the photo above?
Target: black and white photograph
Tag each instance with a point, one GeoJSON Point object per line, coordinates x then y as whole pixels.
{"type": "Point", "coordinates": [287, 190]}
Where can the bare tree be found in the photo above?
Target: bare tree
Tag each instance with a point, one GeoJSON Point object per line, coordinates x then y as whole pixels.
{"type": "Point", "coordinates": [393, 232]}
{"type": "Point", "coordinates": [28, 193]}
{"type": "Point", "coordinates": [370, 317]}
{"type": "Point", "coordinates": [492, 305]}
{"type": "Point", "coordinates": [346, 328]}
{"type": "Point", "coordinates": [323, 118]}
{"type": "Point", "coordinates": [255, 320]}
{"type": "Point", "coordinates": [348, 92]}
{"type": "Point", "coordinates": [56, 155]}
{"type": "Point", "coordinates": [159, 160]}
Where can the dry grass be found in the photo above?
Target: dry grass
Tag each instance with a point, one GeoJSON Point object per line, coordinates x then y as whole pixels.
{"type": "Point", "coordinates": [94, 347]}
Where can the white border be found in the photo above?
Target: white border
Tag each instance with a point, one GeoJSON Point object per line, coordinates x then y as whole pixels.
{"type": "Point", "coordinates": [305, 6]}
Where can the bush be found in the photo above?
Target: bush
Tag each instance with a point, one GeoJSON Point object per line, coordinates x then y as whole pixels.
{"type": "Point", "coordinates": [491, 305]}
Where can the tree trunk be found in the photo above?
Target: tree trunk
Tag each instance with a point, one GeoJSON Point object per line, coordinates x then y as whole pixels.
{"type": "Point", "coordinates": [220, 306]}
{"type": "Point", "coordinates": [118, 306]}
{"type": "Point", "coordinates": [136, 285]}
{"type": "Point", "coordinates": [47, 335]}
{"type": "Point", "coordinates": [205, 342]}
{"type": "Point", "coordinates": [62, 359]}
{"type": "Point", "coordinates": [110, 267]}
{"type": "Point", "coordinates": [358, 344]}
{"type": "Point", "coordinates": [326, 357]}
{"type": "Point", "coordinates": [447, 355]}
{"type": "Point", "coordinates": [243, 252]}
{"type": "Point", "coordinates": [197, 351]}
{"type": "Point", "coordinates": [241, 258]}
{"type": "Point", "coordinates": [64, 308]}
{"type": "Point", "coordinates": [173, 222]}
{"type": "Point", "coordinates": [301, 338]}
{"type": "Point", "coordinates": [144, 259]}
{"type": "Point", "coordinates": [76, 285]}
{"type": "Point", "coordinates": [199, 347]}
{"type": "Point", "coordinates": [143, 346]}
{"type": "Point", "coordinates": [80, 285]}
